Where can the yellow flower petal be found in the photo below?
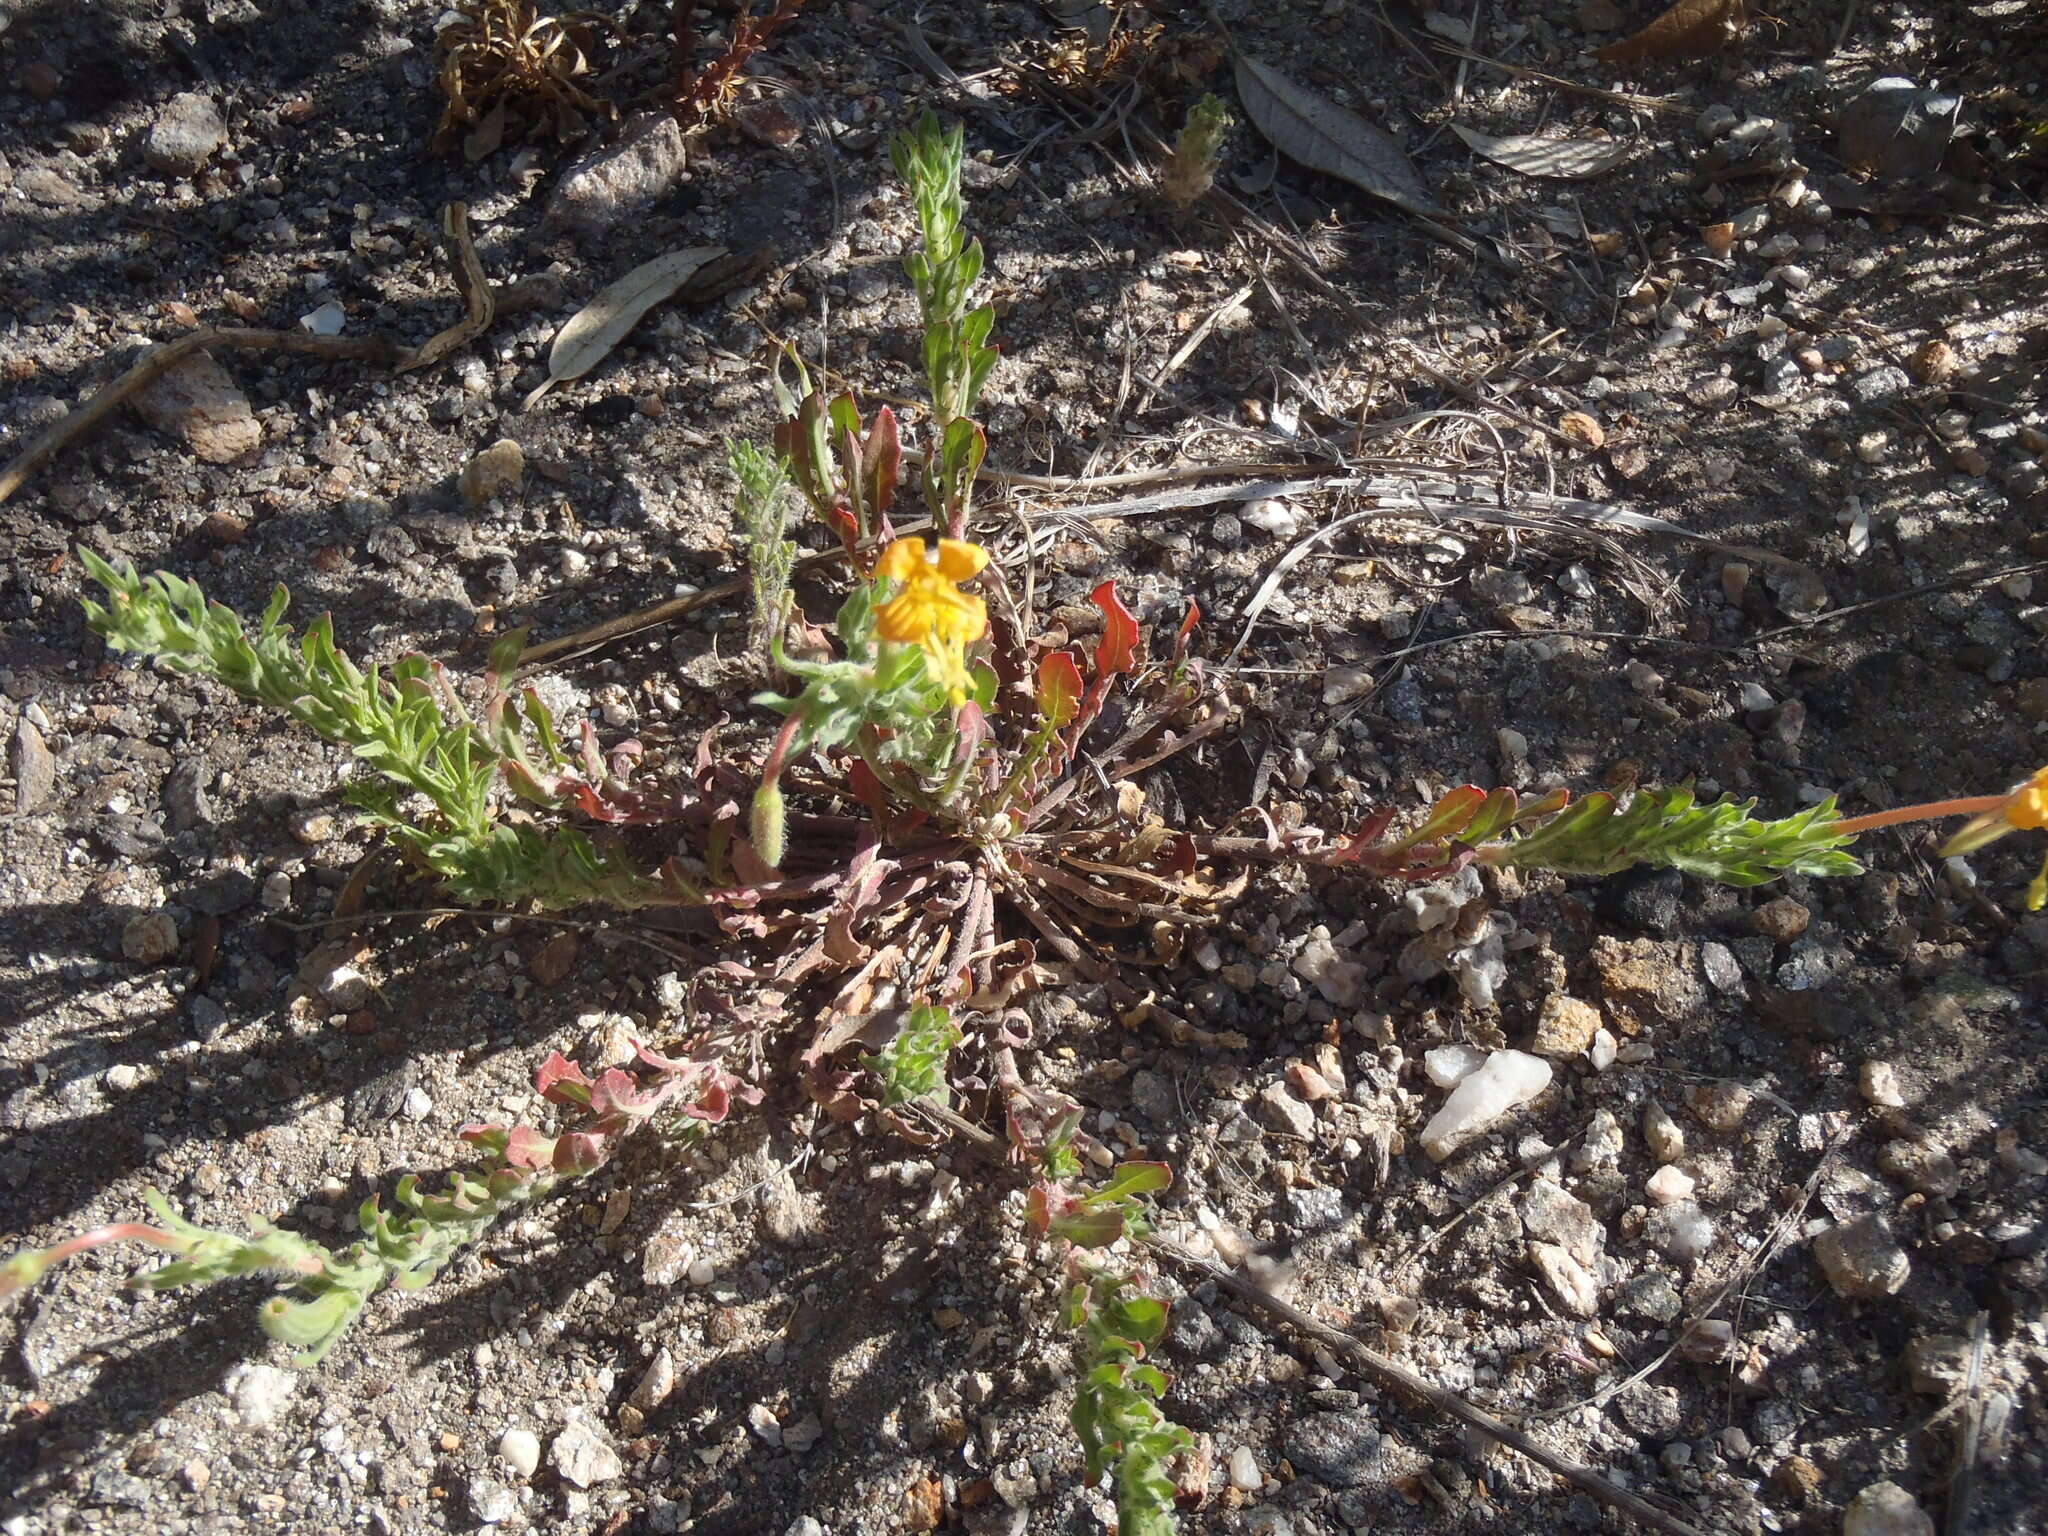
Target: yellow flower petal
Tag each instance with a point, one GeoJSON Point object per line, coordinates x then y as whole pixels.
{"type": "Point", "coordinates": [960, 561]}
{"type": "Point", "coordinates": [2029, 807]}
{"type": "Point", "coordinates": [901, 559]}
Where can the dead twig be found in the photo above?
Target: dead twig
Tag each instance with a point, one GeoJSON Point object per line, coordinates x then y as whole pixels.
{"type": "Point", "coordinates": [470, 282]}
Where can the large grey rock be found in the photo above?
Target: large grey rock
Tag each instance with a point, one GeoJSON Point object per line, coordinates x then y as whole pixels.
{"type": "Point", "coordinates": [199, 402]}
{"type": "Point", "coordinates": [185, 135]}
{"type": "Point", "coordinates": [1896, 128]}
{"type": "Point", "coordinates": [1862, 1259]}
{"type": "Point", "coordinates": [1341, 1450]}
{"type": "Point", "coordinates": [629, 177]}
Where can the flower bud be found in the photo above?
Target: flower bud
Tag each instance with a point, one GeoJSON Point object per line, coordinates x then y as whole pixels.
{"type": "Point", "coordinates": [766, 824]}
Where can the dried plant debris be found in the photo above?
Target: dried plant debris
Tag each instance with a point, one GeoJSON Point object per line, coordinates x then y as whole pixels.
{"type": "Point", "coordinates": [1691, 29]}
{"type": "Point", "coordinates": [1570, 159]}
{"type": "Point", "coordinates": [713, 89]}
{"type": "Point", "coordinates": [508, 73]}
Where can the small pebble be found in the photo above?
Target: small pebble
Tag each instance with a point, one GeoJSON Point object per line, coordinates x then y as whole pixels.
{"type": "Point", "coordinates": [1719, 1106]}
{"type": "Point", "coordinates": [1716, 122]}
{"type": "Point", "coordinates": [1244, 1470]}
{"type": "Point", "coordinates": [519, 1449]}
{"type": "Point", "coordinates": [1449, 1065]}
{"type": "Point", "coordinates": [150, 939]}
{"type": "Point", "coordinates": [1508, 1079]}
{"type": "Point", "coordinates": [1682, 1232]}
{"type": "Point", "coordinates": [1669, 1185]}
{"type": "Point", "coordinates": [1662, 1134]}
{"type": "Point", "coordinates": [1879, 1081]}
{"type": "Point", "coordinates": [1861, 1258]}
{"type": "Point", "coordinates": [1272, 517]}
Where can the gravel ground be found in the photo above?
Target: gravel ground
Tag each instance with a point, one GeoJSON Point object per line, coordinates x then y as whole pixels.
{"type": "Point", "coordinates": [803, 1329]}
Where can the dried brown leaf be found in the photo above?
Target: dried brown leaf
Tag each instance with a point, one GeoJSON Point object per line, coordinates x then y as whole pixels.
{"type": "Point", "coordinates": [1691, 29]}
{"type": "Point", "coordinates": [1572, 159]}
{"type": "Point", "coordinates": [1323, 136]}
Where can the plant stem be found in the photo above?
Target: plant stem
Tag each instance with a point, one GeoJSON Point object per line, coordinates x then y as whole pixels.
{"type": "Point", "coordinates": [1930, 810]}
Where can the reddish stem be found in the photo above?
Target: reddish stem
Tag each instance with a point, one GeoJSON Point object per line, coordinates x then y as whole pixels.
{"type": "Point", "coordinates": [778, 752]}
{"type": "Point", "coordinates": [1929, 810]}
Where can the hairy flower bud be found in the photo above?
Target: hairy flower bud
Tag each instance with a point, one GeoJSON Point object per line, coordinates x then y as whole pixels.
{"type": "Point", "coordinates": [766, 824]}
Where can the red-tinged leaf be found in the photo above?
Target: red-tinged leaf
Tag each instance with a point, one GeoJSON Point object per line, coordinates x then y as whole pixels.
{"type": "Point", "coordinates": [882, 462]}
{"type": "Point", "coordinates": [712, 1105]}
{"type": "Point", "coordinates": [580, 1152]}
{"type": "Point", "coordinates": [845, 525]}
{"type": "Point", "coordinates": [492, 1138]}
{"type": "Point", "coordinates": [616, 1093]}
{"type": "Point", "coordinates": [527, 1148]}
{"type": "Point", "coordinates": [1117, 650]}
{"type": "Point", "coordinates": [560, 1081]}
{"type": "Point", "coordinates": [1059, 689]}
{"type": "Point", "coordinates": [1187, 628]}
{"type": "Point", "coordinates": [867, 788]}
{"type": "Point", "coordinates": [668, 1066]}
{"type": "Point", "coordinates": [1448, 817]}
{"type": "Point", "coordinates": [1038, 1209]}
{"type": "Point", "coordinates": [1369, 832]}
{"type": "Point", "coordinates": [1497, 814]}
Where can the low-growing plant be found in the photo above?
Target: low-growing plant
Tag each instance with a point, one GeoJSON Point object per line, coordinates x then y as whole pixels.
{"type": "Point", "coordinates": [945, 817]}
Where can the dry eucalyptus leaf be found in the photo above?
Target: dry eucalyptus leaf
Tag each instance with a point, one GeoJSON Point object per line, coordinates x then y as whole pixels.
{"type": "Point", "coordinates": [1325, 137]}
{"type": "Point", "coordinates": [1691, 29]}
{"type": "Point", "coordinates": [1532, 156]}
{"type": "Point", "coordinates": [603, 323]}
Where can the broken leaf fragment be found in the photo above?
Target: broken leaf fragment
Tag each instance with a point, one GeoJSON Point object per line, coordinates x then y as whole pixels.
{"type": "Point", "coordinates": [1572, 159]}
{"type": "Point", "coordinates": [602, 324]}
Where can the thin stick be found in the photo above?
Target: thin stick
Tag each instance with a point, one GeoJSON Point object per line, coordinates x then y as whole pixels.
{"type": "Point", "coordinates": [1187, 349]}
{"type": "Point", "coordinates": [1394, 1376]}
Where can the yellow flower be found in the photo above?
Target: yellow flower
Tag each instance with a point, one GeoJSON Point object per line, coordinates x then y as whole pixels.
{"type": "Point", "coordinates": [930, 611]}
{"type": "Point", "coordinates": [2025, 809]}
{"type": "Point", "coordinates": [2029, 808]}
